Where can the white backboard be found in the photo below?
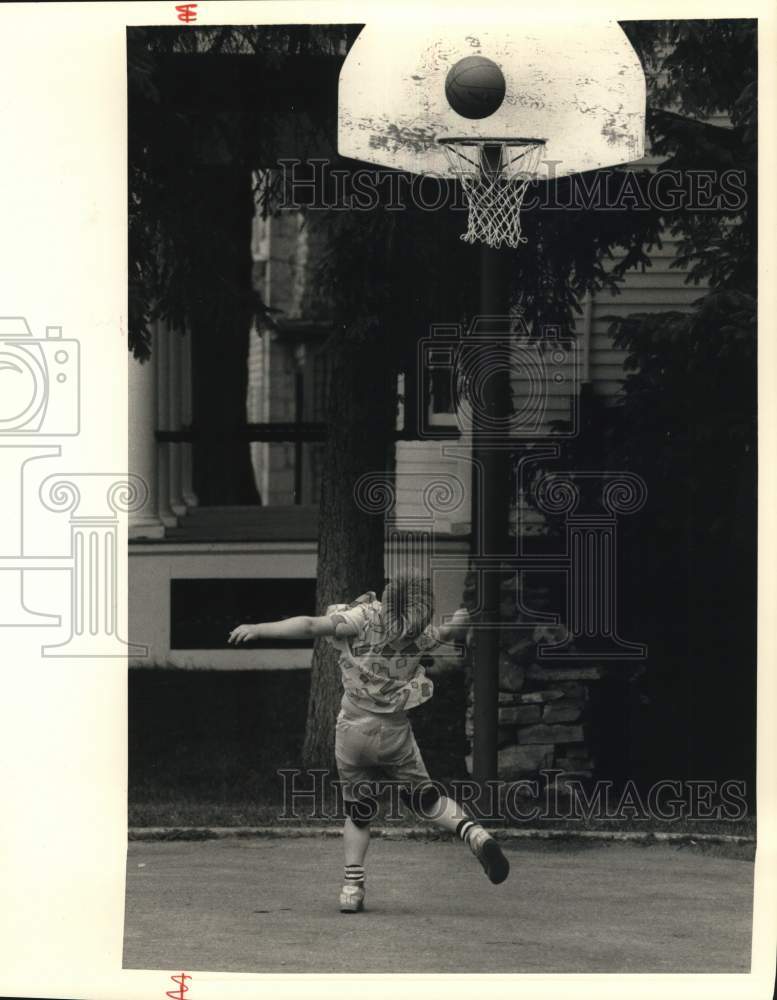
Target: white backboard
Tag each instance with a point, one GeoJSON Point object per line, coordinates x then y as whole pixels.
{"type": "Point", "coordinates": [580, 88]}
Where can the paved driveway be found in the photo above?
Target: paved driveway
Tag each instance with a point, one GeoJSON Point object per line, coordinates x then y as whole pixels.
{"type": "Point", "coordinates": [270, 905]}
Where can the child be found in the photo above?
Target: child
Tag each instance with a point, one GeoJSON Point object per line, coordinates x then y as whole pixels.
{"type": "Point", "coordinates": [384, 648]}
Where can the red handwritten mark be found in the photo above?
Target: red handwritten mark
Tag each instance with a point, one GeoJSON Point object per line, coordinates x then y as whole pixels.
{"type": "Point", "coordinates": [187, 12]}
{"type": "Point", "coordinates": [182, 987]}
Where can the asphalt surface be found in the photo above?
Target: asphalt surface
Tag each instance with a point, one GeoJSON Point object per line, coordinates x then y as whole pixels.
{"type": "Point", "coordinates": [270, 905]}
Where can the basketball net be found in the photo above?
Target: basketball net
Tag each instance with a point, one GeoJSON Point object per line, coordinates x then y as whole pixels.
{"type": "Point", "coordinates": [494, 175]}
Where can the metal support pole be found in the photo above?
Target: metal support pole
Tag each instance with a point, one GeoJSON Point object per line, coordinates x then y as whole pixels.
{"type": "Point", "coordinates": [490, 522]}
{"type": "Point", "coordinates": [299, 416]}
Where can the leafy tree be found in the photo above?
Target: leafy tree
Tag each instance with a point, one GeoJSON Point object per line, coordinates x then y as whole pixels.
{"type": "Point", "coordinates": [198, 130]}
{"type": "Point", "coordinates": [686, 418]}
{"type": "Point", "coordinates": [387, 275]}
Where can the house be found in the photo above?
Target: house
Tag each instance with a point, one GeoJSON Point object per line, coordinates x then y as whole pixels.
{"type": "Point", "coordinates": [176, 539]}
{"type": "Point", "coordinates": [199, 566]}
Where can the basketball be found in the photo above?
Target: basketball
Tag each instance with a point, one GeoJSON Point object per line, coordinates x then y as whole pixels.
{"type": "Point", "coordinates": [475, 87]}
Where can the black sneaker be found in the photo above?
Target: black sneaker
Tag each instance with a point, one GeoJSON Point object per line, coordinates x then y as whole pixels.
{"type": "Point", "coordinates": [489, 854]}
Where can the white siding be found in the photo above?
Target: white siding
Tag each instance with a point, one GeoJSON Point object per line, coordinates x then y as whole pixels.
{"type": "Point", "coordinates": [659, 288]}
{"type": "Point", "coordinates": [418, 465]}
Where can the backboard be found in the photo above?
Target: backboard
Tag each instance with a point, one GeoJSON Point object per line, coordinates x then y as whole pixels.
{"type": "Point", "coordinates": [579, 88]}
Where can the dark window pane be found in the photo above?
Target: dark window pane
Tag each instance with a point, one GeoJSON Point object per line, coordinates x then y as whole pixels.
{"type": "Point", "coordinates": [286, 472]}
{"type": "Point", "coordinates": [204, 612]}
{"type": "Point", "coordinates": [442, 399]}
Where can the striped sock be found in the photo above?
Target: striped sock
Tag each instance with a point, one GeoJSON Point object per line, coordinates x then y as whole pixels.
{"type": "Point", "coordinates": [465, 828]}
{"type": "Point", "coordinates": [354, 874]}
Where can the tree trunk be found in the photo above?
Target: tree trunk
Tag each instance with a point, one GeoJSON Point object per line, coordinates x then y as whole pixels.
{"type": "Point", "coordinates": [362, 413]}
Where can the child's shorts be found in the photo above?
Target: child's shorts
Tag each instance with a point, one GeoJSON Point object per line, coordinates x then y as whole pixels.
{"type": "Point", "coordinates": [371, 745]}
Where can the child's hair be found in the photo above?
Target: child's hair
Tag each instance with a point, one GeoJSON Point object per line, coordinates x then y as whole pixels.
{"type": "Point", "coordinates": [407, 605]}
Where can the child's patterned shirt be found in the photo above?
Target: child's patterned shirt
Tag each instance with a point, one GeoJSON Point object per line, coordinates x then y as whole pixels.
{"type": "Point", "coordinates": [377, 676]}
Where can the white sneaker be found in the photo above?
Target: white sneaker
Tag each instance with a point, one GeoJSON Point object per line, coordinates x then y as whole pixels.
{"type": "Point", "coordinates": [352, 897]}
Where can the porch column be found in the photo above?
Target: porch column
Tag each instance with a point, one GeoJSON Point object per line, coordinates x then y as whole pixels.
{"type": "Point", "coordinates": [174, 380]}
{"type": "Point", "coordinates": [144, 522]}
{"type": "Point", "coordinates": [187, 475]}
{"type": "Point", "coordinates": [165, 457]}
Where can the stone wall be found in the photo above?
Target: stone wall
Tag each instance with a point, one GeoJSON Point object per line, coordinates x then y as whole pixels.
{"type": "Point", "coordinates": [545, 709]}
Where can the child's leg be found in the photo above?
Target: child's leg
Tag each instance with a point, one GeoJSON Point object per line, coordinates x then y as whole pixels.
{"type": "Point", "coordinates": [447, 814]}
{"type": "Point", "coordinates": [405, 764]}
{"type": "Point", "coordinates": [355, 748]}
{"type": "Point", "coordinates": [427, 802]}
{"type": "Point", "coordinates": [356, 840]}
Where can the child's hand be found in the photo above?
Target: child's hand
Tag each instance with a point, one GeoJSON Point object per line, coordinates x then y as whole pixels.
{"type": "Point", "coordinates": [243, 633]}
{"type": "Point", "coordinates": [456, 628]}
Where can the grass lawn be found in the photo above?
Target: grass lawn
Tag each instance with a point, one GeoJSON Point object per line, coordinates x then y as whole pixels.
{"type": "Point", "coordinates": [206, 746]}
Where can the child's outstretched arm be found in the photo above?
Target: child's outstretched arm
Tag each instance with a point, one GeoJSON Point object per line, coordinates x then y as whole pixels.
{"type": "Point", "coordinates": [456, 629]}
{"type": "Point", "coordinates": [300, 627]}
{"type": "Point", "coordinates": [445, 656]}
